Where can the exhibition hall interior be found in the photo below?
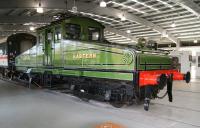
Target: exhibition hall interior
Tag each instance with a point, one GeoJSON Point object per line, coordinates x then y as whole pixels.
{"type": "Point", "coordinates": [99, 63]}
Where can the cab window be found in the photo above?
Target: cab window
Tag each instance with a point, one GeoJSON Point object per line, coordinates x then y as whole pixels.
{"type": "Point", "coordinates": [58, 33]}
{"type": "Point", "coordinates": [73, 31]}
{"type": "Point", "coordinates": [93, 34]}
{"type": "Point", "coordinates": [49, 35]}
{"type": "Point", "coordinates": [1, 51]}
{"type": "Point", "coordinates": [40, 39]}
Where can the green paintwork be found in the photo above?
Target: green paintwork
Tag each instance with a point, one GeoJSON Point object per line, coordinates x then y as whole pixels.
{"type": "Point", "coordinates": [83, 57]}
{"type": "Point", "coordinates": [153, 61]}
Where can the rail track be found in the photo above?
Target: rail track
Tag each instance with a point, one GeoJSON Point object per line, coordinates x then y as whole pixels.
{"type": "Point", "coordinates": [85, 96]}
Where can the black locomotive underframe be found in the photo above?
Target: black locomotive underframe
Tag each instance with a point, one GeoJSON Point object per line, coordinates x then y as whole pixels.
{"type": "Point", "coordinates": [117, 92]}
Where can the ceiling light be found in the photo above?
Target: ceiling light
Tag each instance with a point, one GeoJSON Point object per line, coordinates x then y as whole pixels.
{"type": "Point", "coordinates": [173, 25]}
{"type": "Point", "coordinates": [27, 24]}
{"type": "Point", "coordinates": [164, 34]}
{"type": "Point", "coordinates": [128, 31]}
{"type": "Point", "coordinates": [97, 36]}
{"type": "Point", "coordinates": [32, 28]}
{"type": "Point", "coordinates": [122, 17]}
{"type": "Point", "coordinates": [103, 4]}
{"type": "Point", "coordinates": [74, 9]}
{"type": "Point", "coordinates": [39, 9]}
{"type": "Point", "coordinates": [195, 41]}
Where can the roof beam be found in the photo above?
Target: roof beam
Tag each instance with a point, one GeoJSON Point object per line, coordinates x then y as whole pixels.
{"type": "Point", "coordinates": [3, 39]}
{"type": "Point", "coordinates": [8, 33]}
{"type": "Point", "coordinates": [189, 5]}
{"type": "Point", "coordinates": [14, 27]}
{"type": "Point", "coordinates": [122, 33]}
{"type": "Point", "coordinates": [83, 7]}
{"type": "Point", "coordinates": [117, 13]}
{"type": "Point", "coordinates": [25, 19]}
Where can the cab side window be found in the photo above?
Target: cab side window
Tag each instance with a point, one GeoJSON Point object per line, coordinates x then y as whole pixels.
{"type": "Point", "coordinates": [73, 31]}
{"type": "Point", "coordinates": [58, 35]}
{"type": "Point", "coordinates": [49, 35]}
{"type": "Point", "coordinates": [94, 34]}
{"type": "Point", "coordinates": [40, 39]}
{"type": "Point", "coordinates": [1, 51]}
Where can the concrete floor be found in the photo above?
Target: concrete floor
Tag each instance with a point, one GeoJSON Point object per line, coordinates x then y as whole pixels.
{"type": "Point", "coordinates": [24, 108]}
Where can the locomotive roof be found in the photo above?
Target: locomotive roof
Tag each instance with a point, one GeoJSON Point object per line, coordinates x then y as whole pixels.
{"type": "Point", "coordinates": [81, 18]}
{"type": "Point", "coordinates": [105, 42]}
{"type": "Point", "coordinates": [23, 36]}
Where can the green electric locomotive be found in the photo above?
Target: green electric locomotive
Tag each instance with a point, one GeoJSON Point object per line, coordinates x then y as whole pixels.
{"type": "Point", "coordinates": [75, 48]}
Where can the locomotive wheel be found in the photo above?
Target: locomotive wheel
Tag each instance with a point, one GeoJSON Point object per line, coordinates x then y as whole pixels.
{"type": "Point", "coordinates": [118, 102]}
{"type": "Point", "coordinates": [118, 97]}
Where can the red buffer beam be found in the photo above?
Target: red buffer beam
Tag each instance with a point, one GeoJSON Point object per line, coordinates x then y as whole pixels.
{"type": "Point", "coordinates": [152, 77]}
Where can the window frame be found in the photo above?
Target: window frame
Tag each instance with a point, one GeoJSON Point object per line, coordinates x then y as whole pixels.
{"type": "Point", "coordinates": [90, 36]}
{"type": "Point", "coordinates": [66, 30]}
{"type": "Point", "coordinates": [57, 31]}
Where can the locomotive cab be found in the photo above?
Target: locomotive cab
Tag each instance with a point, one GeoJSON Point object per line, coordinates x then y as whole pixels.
{"type": "Point", "coordinates": [76, 30]}
{"type": "Point", "coordinates": [70, 29]}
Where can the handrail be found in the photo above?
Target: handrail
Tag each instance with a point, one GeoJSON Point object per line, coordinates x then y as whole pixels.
{"type": "Point", "coordinates": [153, 51]}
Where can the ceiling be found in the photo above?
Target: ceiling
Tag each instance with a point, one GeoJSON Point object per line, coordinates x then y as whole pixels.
{"type": "Point", "coordinates": [125, 20]}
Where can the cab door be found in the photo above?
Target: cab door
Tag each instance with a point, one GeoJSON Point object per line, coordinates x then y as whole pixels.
{"type": "Point", "coordinates": [57, 51]}
{"type": "Point", "coordinates": [40, 48]}
{"type": "Point", "coordinates": [49, 48]}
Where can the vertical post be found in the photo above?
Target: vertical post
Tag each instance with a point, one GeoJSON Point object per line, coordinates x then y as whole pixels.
{"type": "Point", "coordinates": [178, 45]}
{"type": "Point", "coordinates": [169, 87]}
